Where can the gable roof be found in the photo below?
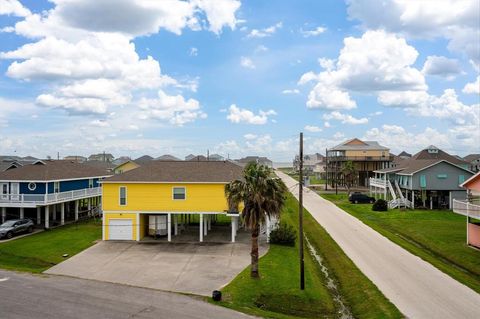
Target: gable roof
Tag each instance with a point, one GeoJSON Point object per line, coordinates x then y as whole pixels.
{"type": "Point", "coordinates": [434, 153]}
{"type": "Point", "coordinates": [405, 154]}
{"type": "Point", "coordinates": [470, 180]}
{"type": "Point", "coordinates": [143, 159]}
{"type": "Point", "coordinates": [471, 157]}
{"type": "Point", "coordinates": [53, 170]}
{"type": "Point", "coordinates": [357, 144]}
{"type": "Point", "coordinates": [412, 166]}
{"type": "Point", "coordinates": [181, 172]}
{"type": "Point", "coordinates": [167, 157]}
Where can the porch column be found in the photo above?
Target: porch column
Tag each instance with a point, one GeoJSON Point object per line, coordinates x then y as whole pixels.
{"type": "Point", "coordinates": [201, 227]}
{"type": "Point", "coordinates": [175, 224]}
{"type": "Point", "coordinates": [76, 210]}
{"type": "Point", "coordinates": [205, 222]}
{"type": "Point", "coordinates": [89, 206]}
{"type": "Point", "coordinates": [47, 216]}
{"type": "Point", "coordinates": [54, 213]}
{"type": "Point", "coordinates": [169, 227]}
{"type": "Point", "coordinates": [209, 222]}
{"type": "Point", "coordinates": [413, 199]}
{"type": "Point", "coordinates": [22, 212]}
{"type": "Point", "coordinates": [39, 215]}
{"type": "Point", "coordinates": [431, 201]}
{"type": "Point", "coordinates": [4, 214]}
{"type": "Point", "coordinates": [62, 214]}
{"type": "Point", "coordinates": [233, 229]}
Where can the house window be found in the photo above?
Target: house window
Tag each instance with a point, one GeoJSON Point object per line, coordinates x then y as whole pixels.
{"type": "Point", "coordinates": [179, 193]}
{"type": "Point", "coordinates": [461, 179]}
{"type": "Point", "coordinates": [123, 196]}
{"type": "Point", "coordinates": [90, 183]}
{"type": "Point", "coordinates": [423, 181]}
{"type": "Point", "coordinates": [32, 186]}
{"type": "Point", "coordinates": [442, 176]}
{"type": "Point", "coordinates": [56, 187]}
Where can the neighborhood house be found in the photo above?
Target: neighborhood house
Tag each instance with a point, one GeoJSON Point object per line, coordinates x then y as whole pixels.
{"type": "Point", "coordinates": [159, 197]}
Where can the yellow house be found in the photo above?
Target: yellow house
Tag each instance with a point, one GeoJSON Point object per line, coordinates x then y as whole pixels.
{"type": "Point", "coordinates": [156, 198]}
{"type": "Point", "coordinates": [125, 167]}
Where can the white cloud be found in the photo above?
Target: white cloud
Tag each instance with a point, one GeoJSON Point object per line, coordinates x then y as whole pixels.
{"type": "Point", "coordinates": [239, 115]}
{"type": "Point", "coordinates": [441, 66]}
{"type": "Point", "coordinates": [250, 136]}
{"type": "Point", "coordinates": [247, 63]}
{"type": "Point", "coordinates": [193, 51]}
{"type": "Point", "coordinates": [291, 91]}
{"type": "Point", "coordinates": [456, 21]}
{"type": "Point", "coordinates": [314, 32]}
{"type": "Point", "coordinates": [13, 7]}
{"type": "Point", "coordinates": [266, 32]}
{"type": "Point", "coordinates": [99, 123]}
{"type": "Point", "coordinates": [261, 48]}
{"type": "Point", "coordinates": [174, 108]}
{"type": "Point", "coordinates": [377, 61]}
{"type": "Point", "coordinates": [312, 128]}
{"type": "Point", "coordinates": [327, 124]}
{"type": "Point", "coordinates": [345, 118]}
{"type": "Point", "coordinates": [220, 13]}
{"type": "Point", "coordinates": [473, 87]}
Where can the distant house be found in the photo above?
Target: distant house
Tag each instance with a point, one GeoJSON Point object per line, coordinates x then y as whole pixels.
{"type": "Point", "coordinates": [43, 187]}
{"type": "Point", "coordinates": [198, 158]}
{"type": "Point", "coordinates": [121, 159]}
{"type": "Point", "coordinates": [143, 159]}
{"type": "Point", "coordinates": [167, 157]}
{"type": "Point", "coordinates": [103, 157]}
{"type": "Point", "coordinates": [189, 157]}
{"type": "Point", "coordinates": [215, 157]}
{"type": "Point", "coordinates": [405, 155]}
{"type": "Point", "coordinates": [129, 165]}
{"type": "Point", "coordinates": [76, 158]}
{"type": "Point", "coordinates": [431, 178]}
{"type": "Point", "coordinates": [256, 159]}
{"type": "Point", "coordinates": [366, 156]}
{"type": "Point", "coordinates": [474, 162]}
{"type": "Point", "coordinates": [471, 209]}
{"type": "Point", "coordinates": [312, 164]}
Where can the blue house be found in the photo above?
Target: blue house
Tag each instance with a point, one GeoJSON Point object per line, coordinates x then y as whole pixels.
{"type": "Point", "coordinates": [50, 187]}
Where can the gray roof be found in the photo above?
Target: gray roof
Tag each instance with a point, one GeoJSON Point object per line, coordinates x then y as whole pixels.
{"type": "Point", "coordinates": [143, 159]}
{"type": "Point", "coordinates": [364, 145]}
{"type": "Point", "coordinates": [52, 170]}
{"type": "Point", "coordinates": [471, 157]}
{"type": "Point", "coordinates": [181, 172]}
{"type": "Point", "coordinates": [167, 157]}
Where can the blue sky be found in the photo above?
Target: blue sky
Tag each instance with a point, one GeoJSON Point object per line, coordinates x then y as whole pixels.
{"type": "Point", "coordinates": [237, 77]}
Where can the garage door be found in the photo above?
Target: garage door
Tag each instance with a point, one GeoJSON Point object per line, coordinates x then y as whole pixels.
{"type": "Point", "coordinates": [120, 229]}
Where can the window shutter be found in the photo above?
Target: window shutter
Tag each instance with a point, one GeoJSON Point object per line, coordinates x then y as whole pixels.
{"type": "Point", "coordinates": [423, 181]}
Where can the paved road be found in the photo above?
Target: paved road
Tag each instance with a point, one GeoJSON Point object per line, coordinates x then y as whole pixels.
{"type": "Point", "coordinates": [44, 296]}
{"type": "Point", "coordinates": [418, 289]}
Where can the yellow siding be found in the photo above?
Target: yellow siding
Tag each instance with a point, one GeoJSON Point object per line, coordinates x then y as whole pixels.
{"type": "Point", "coordinates": [367, 153]}
{"type": "Point", "coordinates": [108, 216]}
{"type": "Point", "coordinates": [158, 197]}
{"type": "Point", "coordinates": [125, 167]}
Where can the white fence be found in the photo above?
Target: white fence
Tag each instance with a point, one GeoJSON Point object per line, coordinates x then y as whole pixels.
{"type": "Point", "coordinates": [465, 208]}
{"type": "Point", "coordinates": [44, 199]}
{"type": "Point", "coordinates": [377, 182]}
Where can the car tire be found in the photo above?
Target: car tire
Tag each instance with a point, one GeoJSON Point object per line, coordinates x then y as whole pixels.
{"type": "Point", "coordinates": [30, 229]}
{"type": "Point", "coordinates": [9, 235]}
{"type": "Point", "coordinates": [356, 202]}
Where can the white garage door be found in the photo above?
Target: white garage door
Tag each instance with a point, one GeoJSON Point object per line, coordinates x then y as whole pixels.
{"type": "Point", "coordinates": [120, 229]}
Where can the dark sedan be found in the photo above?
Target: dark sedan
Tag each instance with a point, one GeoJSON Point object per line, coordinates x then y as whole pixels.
{"type": "Point", "coordinates": [358, 198]}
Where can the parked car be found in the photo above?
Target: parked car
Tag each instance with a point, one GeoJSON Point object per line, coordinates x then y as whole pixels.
{"type": "Point", "coordinates": [360, 198]}
{"type": "Point", "coordinates": [15, 226]}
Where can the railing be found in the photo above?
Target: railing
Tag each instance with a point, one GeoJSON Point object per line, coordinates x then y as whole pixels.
{"type": "Point", "coordinates": [399, 202]}
{"type": "Point", "coordinates": [359, 158]}
{"type": "Point", "coordinates": [466, 208]}
{"type": "Point", "coordinates": [376, 182]}
{"type": "Point", "coordinates": [36, 199]}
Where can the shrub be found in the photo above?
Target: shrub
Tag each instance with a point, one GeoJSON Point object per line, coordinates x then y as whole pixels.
{"type": "Point", "coordinates": [380, 205]}
{"type": "Point", "coordinates": [284, 235]}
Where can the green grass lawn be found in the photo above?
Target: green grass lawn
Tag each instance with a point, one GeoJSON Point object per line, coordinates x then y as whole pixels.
{"type": "Point", "coordinates": [277, 293]}
{"type": "Point", "coordinates": [437, 236]}
{"type": "Point", "coordinates": [38, 252]}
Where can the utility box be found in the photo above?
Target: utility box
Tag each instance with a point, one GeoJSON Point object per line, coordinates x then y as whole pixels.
{"type": "Point", "coordinates": [157, 225]}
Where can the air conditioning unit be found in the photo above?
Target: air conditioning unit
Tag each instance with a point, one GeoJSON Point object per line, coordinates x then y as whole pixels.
{"type": "Point", "coordinates": [157, 225]}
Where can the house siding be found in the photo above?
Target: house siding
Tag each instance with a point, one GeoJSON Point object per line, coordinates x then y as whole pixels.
{"type": "Point", "coordinates": [40, 189]}
{"type": "Point", "coordinates": [433, 182]}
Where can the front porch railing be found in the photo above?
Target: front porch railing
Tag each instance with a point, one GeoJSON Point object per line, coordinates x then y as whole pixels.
{"type": "Point", "coordinates": [43, 199]}
{"type": "Point", "coordinates": [465, 208]}
{"type": "Point", "coordinates": [377, 182]}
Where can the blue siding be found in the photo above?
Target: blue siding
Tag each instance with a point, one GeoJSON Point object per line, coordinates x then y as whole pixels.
{"type": "Point", "coordinates": [50, 187]}
{"type": "Point", "coordinates": [73, 185]}
{"type": "Point", "coordinates": [39, 190]}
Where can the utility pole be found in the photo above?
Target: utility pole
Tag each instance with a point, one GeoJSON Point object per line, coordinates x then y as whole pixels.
{"type": "Point", "coordinates": [336, 178]}
{"type": "Point", "coordinates": [326, 169]}
{"type": "Point", "coordinates": [300, 215]}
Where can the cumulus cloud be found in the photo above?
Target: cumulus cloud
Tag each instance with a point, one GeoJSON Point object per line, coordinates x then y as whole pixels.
{"type": "Point", "coordinates": [266, 32]}
{"type": "Point", "coordinates": [13, 7]}
{"type": "Point", "coordinates": [312, 128]}
{"type": "Point", "coordinates": [441, 66]}
{"type": "Point", "coordinates": [375, 62]}
{"type": "Point", "coordinates": [473, 87]}
{"type": "Point", "coordinates": [193, 51]}
{"type": "Point", "coordinates": [291, 91]}
{"type": "Point", "coordinates": [247, 63]}
{"type": "Point", "coordinates": [314, 32]}
{"type": "Point", "coordinates": [239, 115]}
{"type": "Point", "coordinates": [456, 21]}
{"type": "Point", "coordinates": [345, 118]}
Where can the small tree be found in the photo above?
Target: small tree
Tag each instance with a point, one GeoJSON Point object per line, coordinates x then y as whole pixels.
{"type": "Point", "coordinates": [262, 195]}
{"type": "Point", "coordinates": [349, 175]}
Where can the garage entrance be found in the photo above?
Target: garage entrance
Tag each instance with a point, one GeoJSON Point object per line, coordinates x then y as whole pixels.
{"type": "Point", "coordinates": [120, 229]}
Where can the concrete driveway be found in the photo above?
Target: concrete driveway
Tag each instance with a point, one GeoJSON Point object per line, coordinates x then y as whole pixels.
{"type": "Point", "coordinates": [418, 289]}
{"type": "Point", "coordinates": [197, 268]}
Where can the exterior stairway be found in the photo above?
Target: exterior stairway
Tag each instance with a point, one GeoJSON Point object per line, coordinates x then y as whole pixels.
{"type": "Point", "coordinates": [397, 202]}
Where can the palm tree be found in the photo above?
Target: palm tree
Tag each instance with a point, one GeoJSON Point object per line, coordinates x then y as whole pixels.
{"type": "Point", "coordinates": [262, 195]}
{"type": "Point", "coordinates": [349, 175]}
